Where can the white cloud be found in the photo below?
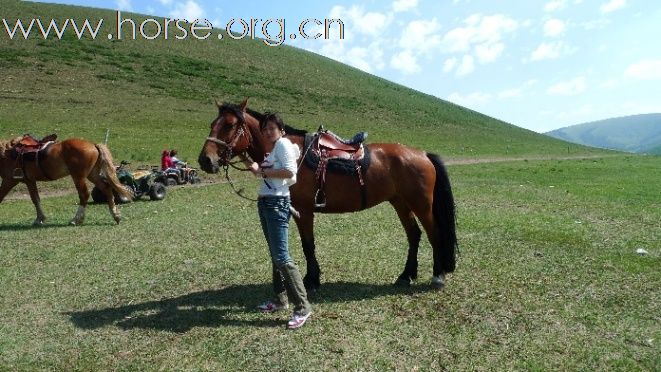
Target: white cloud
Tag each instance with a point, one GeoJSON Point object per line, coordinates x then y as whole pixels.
{"type": "Point", "coordinates": [595, 24]}
{"type": "Point", "coordinates": [366, 23]}
{"type": "Point", "coordinates": [613, 5]}
{"type": "Point", "coordinates": [467, 66]}
{"type": "Point", "coordinates": [421, 35]}
{"type": "Point", "coordinates": [518, 91]}
{"type": "Point", "coordinates": [649, 69]}
{"type": "Point", "coordinates": [554, 27]}
{"type": "Point", "coordinates": [478, 29]}
{"type": "Point", "coordinates": [124, 5]}
{"type": "Point", "coordinates": [449, 64]}
{"type": "Point", "coordinates": [188, 10]}
{"type": "Point", "coordinates": [474, 99]}
{"type": "Point", "coordinates": [554, 5]}
{"type": "Point", "coordinates": [405, 62]}
{"type": "Point", "coordinates": [368, 58]}
{"type": "Point", "coordinates": [551, 50]}
{"type": "Point", "coordinates": [510, 93]}
{"type": "Point", "coordinates": [568, 88]}
{"type": "Point", "coordinates": [404, 5]}
{"type": "Point", "coordinates": [165, 2]}
{"type": "Point", "coordinates": [418, 37]}
{"type": "Point", "coordinates": [609, 84]}
{"type": "Point", "coordinates": [487, 53]}
{"type": "Point", "coordinates": [357, 57]}
{"type": "Point", "coordinates": [480, 38]}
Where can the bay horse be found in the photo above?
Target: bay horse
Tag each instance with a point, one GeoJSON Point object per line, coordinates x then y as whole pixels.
{"type": "Point", "coordinates": [80, 159]}
{"type": "Point", "coordinates": [414, 182]}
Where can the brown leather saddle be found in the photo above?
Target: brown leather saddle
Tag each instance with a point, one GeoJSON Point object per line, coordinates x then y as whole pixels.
{"type": "Point", "coordinates": [29, 148]}
{"type": "Point", "coordinates": [328, 147]}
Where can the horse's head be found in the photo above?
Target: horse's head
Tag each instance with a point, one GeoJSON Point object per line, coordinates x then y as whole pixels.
{"type": "Point", "coordinates": [230, 135]}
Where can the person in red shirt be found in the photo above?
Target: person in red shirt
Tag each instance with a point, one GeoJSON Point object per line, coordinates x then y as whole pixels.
{"type": "Point", "coordinates": [166, 160]}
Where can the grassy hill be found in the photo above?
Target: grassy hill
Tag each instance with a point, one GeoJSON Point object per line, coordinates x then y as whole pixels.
{"type": "Point", "coordinates": [159, 93]}
{"type": "Point", "coordinates": [637, 133]}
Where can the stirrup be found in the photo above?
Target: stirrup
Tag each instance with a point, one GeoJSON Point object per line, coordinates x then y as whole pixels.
{"type": "Point", "coordinates": [317, 203]}
{"type": "Point", "coordinates": [18, 174]}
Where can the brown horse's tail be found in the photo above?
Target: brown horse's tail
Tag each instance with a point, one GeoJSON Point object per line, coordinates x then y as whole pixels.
{"type": "Point", "coordinates": [108, 169]}
{"type": "Point", "coordinates": [444, 214]}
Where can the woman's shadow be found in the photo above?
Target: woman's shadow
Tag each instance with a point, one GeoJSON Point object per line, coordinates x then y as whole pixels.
{"type": "Point", "coordinates": [219, 308]}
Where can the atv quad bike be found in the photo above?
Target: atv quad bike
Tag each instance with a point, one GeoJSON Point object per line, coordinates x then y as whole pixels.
{"type": "Point", "coordinates": [140, 182]}
{"type": "Point", "coordinates": [181, 175]}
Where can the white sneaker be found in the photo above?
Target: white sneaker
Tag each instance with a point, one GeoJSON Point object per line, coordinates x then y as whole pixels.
{"type": "Point", "coordinates": [297, 320]}
{"type": "Point", "coordinates": [271, 307]}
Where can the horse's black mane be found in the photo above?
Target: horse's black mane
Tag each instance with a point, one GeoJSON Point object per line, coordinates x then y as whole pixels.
{"type": "Point", "coordinates": [236, 110]}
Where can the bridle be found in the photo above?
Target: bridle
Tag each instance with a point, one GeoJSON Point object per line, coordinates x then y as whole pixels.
{"type": "Point", "coordinates": [225, 155]}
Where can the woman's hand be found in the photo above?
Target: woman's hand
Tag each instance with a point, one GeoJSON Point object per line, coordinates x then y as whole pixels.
{"type": "Point", "coordinates": [254, 168]}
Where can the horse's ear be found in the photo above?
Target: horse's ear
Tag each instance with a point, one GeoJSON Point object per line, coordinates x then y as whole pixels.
{"type": "Point", "coordinates": [244, 104]}
{"type": "Point", "coordinates": [217, 103]}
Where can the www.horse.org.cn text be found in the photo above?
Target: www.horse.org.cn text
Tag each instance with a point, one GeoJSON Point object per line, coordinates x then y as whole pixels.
{"type": "Point", "coordinates": [272, 31]}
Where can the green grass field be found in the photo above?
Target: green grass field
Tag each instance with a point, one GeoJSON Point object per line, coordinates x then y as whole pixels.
{"type": "Point", "coordinates": [548, 276]}
{"type": "Point", "coordinates": [548, 279]}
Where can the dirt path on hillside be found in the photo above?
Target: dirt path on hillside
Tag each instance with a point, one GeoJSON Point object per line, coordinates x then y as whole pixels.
{"type": "Point", "coordinates": [528, 158]}
{"type": "Point", "coordinates": [21, 193]}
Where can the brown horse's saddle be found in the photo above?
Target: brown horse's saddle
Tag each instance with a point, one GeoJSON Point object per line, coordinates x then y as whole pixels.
{"type": "Point", "coordinates": [335, 147]}
{"type": "Point", "coordinates": [29, 144]}
{"type": "Point", "coordinates": [330, 152]}
{"type": "Point", "coordinates": [29, 148]}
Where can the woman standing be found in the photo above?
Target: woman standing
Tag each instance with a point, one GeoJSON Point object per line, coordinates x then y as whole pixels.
{"type": "Point", "coordinates": [278, 171]}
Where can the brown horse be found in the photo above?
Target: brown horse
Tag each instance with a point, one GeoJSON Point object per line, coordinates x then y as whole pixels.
{"type": "Point", "coordinates": [413, 181]}
{"type": "Point", "coordinates": [76, 157]}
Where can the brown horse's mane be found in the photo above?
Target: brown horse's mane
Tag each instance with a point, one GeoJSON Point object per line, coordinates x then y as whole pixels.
{"type": "Point", "coordinates": [236, 110]}
{"type": "Point", "coordinates": [5, 145]}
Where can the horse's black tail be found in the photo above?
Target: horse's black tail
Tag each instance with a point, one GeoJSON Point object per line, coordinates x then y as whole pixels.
{"type": "Point", "coordinates": [444, 215]}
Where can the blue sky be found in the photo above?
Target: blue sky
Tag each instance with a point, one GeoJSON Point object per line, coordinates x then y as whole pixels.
{"type": "Point", "coordinates": [540, 65]}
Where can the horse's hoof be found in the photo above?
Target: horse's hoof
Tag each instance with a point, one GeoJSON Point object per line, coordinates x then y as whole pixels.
{"type": "Point", "coordinates": [118, 219]}
{"type": "Point", "coordinates": [402, 282]}
{"type": "Point", "coordinates": [38, 223]}
{"type": "Point", "coordinates": [310, 287]}
{"type": "Point", "coordinates": [438, 282]}
{"type": "Point", "coordinates": [311, 291]}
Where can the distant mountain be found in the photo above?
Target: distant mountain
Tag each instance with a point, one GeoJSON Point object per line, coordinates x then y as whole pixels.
{"type": "Point", "coordinates": [637, 133]}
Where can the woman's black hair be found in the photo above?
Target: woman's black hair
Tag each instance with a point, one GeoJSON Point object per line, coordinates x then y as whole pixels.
{"type": "Point", "coordinates": [271, 116]}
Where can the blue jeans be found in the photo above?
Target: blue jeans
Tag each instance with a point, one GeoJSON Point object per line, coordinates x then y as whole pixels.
{"type": "Point", "coordinates": [274, 215]}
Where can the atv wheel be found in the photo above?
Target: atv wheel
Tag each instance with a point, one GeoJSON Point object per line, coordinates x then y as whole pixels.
{"type": "Point", "coordinates": [98, 196]}
{"type": "Point", "coordinates": [193, 178]}
{"type": "Point", "coordinates": [124, 199]}
{"type": "Point", "coordinates": [171, 181]}
{"type": "Point", "coordinates": [157, 191]}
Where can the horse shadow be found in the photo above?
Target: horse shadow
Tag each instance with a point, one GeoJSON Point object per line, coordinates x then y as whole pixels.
{"type": "Point", "coordinates": [226, 307]}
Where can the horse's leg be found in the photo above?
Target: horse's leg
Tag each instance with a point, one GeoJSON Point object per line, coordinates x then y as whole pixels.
{"type": "Point", "coordinates": [83, 195]}
{"type": "Point", "coordinates": [413, 234]}
{"type": "Point", "coordinates": [95, 178]}
{"type": "Point", "coordinates": [6, 186]}
{"type": "Point", "coordinates": [426, 217]}
{"type": "Point", "coordinates": [36, 200]}
{"type": "Point", "coordinates": [305, 226]}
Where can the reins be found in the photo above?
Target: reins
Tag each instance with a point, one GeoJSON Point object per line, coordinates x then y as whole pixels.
{"type": "Point", "coordinates": [240, 191]}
